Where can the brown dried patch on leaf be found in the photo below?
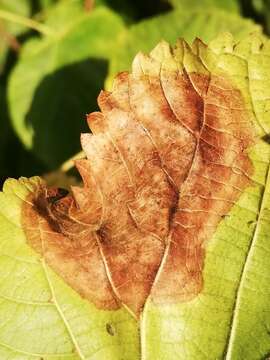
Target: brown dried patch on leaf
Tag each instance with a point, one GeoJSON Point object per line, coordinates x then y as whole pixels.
{"type": "Point", "coordinates": [67, 244]}
{"type": "Point", "coordinates": [219, 172]}
{"type": "Point", "coordinates": [137, 198]}
{"type": "Point", "coordinates": [170, 134]}
{"type": "Point", "coordinates": [166, 161]}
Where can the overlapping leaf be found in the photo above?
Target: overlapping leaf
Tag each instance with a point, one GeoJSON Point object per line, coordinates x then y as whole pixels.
{"type": "Point", "coordinates": [9, 30]}
{"type": "Point", "coordinates": [188, 20]}
{"type": "Point", "coordinates": [63, 73]}
{"type": "Point", "coordinates": [230, 5]}
{"type": "Point", "coordinates": [73, 64]}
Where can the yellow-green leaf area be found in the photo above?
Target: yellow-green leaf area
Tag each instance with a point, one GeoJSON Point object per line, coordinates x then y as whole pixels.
{"type": "Point", "coordinates": [42, 317]}
{"type": "Point", "coordinates": [227, 316]}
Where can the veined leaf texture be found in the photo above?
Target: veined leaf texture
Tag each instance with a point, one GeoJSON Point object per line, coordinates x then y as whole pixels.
{"type": "Point", "coordinates": [163, 253]}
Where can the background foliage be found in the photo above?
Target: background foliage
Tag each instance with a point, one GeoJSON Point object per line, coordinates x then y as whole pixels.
{"type": "Point", "coordinates": [56, 55]}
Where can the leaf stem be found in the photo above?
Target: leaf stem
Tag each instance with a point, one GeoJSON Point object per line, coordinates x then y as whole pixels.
{"type": "Point", "coordinates": [89, 4]}
{"type": "Point", "coordinates": [69, 164]}
{"type": "Point", "coordinates": [10, 40]}
{"type": "Point", "coordinates": [32, 24]}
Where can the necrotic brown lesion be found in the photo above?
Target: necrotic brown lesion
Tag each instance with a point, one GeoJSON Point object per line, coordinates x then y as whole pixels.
{"type": "Point", "coordinates": [166, 161]}
{"type": "Point", "coordinates": [219, 173]}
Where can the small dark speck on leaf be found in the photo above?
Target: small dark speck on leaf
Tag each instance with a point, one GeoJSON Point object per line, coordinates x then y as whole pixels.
{"type": "Point", "coordinates": [266, 138]}
{"type": "Point", "coordinates": [251, 222]}
{"type": "Point", "coordinates": [110, 329]}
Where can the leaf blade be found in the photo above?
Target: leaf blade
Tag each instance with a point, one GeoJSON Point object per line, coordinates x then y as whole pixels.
{"type": "Point", "coordinates": [218, 319]}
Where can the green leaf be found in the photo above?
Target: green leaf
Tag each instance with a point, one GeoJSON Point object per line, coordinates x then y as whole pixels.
{"type": "Point", "coordinates": [46, 3]}
{"type": "Point", "coordinates": [262, 10]}
{"type": "Point", "coordinates": [177, 175]}
{"type": "Point", "coordinates": [230, 5]}
{"type": "Point", "coordinates": [4, 133]}
{"type": "Point", "coordinates": [258, 5]}
{"type": "Point", "coordinates": [189, 21]}
{"type": "Point", "coordinates": [64, 14]}
{"type": "Point", "coordinates": [63, 73]}
{"type": "Point", "coordinates": [9, 30]}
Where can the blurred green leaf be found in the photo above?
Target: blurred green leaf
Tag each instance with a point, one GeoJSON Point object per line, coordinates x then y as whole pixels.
{"type": "Point", "coordinates": [195, 21]}
{"type": "Point", "coordinates": [3, 132]}
{"type": "Point", "coordinates": [57, 79]}
{"type": "Point", "coordinates": [45, 3]}
{"type": "Point", "coordinates": [258, 5]}
{"type": "Point", "coordinates": [262, 7]}
{"type": "Point", "coordinates": [9, 30]}
{"type": "Point", "coordinates": [64, 14]}
{"type": "Point", "coordinates": [14, 159]}
{"type": "Point", "coordinates": [230, 5]}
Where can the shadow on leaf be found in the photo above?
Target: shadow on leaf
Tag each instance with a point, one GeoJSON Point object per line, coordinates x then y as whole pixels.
{"type": "Point", "coordinates": [57, 113]}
